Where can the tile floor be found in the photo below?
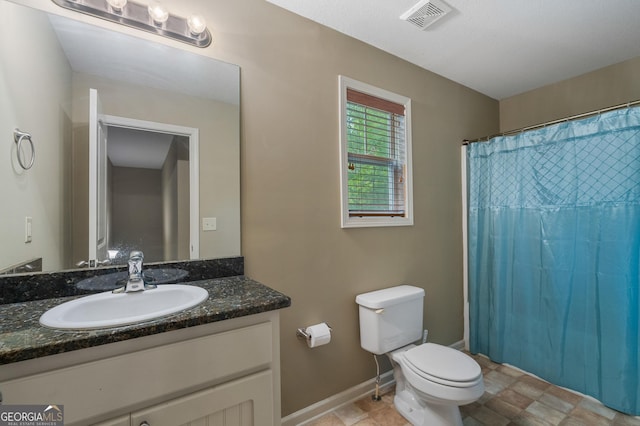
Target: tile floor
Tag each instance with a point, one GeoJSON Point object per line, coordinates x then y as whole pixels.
{"type": "Point", "coordinates": [510, 398]}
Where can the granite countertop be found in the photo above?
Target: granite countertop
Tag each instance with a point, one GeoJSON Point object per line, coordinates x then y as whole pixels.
{"type": "Point", "coordinates": [22, 337]}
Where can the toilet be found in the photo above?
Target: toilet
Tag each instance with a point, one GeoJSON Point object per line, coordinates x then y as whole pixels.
{"type": "Point", "coordinates": [431, 380]}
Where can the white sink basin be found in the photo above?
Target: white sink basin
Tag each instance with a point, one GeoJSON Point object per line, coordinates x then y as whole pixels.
{"type": "Point", "coordinates": [107, 309]}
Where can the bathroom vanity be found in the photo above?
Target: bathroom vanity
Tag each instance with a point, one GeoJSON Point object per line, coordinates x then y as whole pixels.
{"type": "Point", "coordinates": [218, 362]}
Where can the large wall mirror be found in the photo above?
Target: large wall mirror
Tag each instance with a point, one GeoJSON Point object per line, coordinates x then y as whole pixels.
{"type": "Point", "coordinates": [170, 121]}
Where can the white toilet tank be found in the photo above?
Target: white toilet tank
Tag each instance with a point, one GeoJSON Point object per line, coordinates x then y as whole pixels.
{"type": "Point", "coordinates": [390, 318]}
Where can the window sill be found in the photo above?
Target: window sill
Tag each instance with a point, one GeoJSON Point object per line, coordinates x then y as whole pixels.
{"type": "Point", "coordinates": [375, 221]}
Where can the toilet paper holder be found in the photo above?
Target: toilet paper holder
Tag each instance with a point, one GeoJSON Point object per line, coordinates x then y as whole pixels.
{"type": "Point", "coordinates": [302, 333]}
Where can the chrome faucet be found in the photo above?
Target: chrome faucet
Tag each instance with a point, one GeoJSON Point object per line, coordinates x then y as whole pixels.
{"type": "Point", "coordinates": [135, 281]}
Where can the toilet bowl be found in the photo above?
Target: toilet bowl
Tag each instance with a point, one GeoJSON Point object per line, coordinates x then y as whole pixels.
{"type": "Point", "coordinates": [431, 380]}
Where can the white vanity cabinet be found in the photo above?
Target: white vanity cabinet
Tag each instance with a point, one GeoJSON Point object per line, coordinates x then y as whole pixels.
{"type": "Point", "coordinates": [225, 373]}
{"type": "Point", "coordinates": [242, 402]}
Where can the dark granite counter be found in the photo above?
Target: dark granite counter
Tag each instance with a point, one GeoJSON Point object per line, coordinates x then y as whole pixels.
{"type": "Point", "coordinates": [47, 285]}
{"type": "Point", "coordinates": [22, 337]}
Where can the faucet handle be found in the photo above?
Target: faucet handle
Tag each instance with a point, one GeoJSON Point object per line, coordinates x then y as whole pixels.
{"type": "Point", "coordinates": [136, 280]}
{"type": "Point", "coordinates": [135, 263]}
{"type": "Point", "coordinates": [136, 255]}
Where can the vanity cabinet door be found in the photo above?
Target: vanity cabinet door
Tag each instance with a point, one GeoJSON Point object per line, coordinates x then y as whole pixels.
{"type": "Point", "coordinates": [243, 402]}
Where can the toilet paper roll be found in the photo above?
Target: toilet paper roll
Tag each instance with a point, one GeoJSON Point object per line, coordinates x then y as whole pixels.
{"type": "Point", "coordinates": [320, 334]}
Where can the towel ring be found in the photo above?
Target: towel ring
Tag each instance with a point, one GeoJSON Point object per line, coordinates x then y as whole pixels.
{"type": "Point", "coordinates": [19, 137]}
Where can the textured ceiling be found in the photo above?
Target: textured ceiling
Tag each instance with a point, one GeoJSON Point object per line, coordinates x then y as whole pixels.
{"type": "Point", "coordinates": [497, 47]}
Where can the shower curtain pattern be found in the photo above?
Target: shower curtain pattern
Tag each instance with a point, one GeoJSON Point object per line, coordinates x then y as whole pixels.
{"type": "Point", "coordinates": [554, 254]}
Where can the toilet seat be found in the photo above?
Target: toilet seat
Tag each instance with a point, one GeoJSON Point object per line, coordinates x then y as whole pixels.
{"type": "Point", "coordinates": [443, 365]}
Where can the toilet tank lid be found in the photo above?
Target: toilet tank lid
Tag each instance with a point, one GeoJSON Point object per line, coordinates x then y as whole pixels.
{"type": "Point", "coordinates": [389, 296]}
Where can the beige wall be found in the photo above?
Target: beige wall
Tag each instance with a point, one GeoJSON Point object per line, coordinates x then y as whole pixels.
{"type": "Point", "coordinates": [136, 211]}
{"type": "Point", "coordinates": [170, 204]}
{"type": "Point", "coordinates": [613, 85]}
{"type": "Point", "coordinates": [175, 202]}
{"type": "Point", "coordinates": [80, 195]}
{"type": "Point", "coordinates": [291, 235]}
{"type": "Point", "coordinates": [41, 109]}
{"type": "Point", "coordinates": [182, 209]}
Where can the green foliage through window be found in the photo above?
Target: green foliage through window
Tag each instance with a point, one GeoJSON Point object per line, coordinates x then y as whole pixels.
{"type": "Point", "coordinates": [375, 145]}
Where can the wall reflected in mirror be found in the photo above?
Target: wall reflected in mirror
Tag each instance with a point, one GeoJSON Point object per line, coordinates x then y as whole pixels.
{"type": "Point", "coordinates": [147, 192]}
{"type": "Point", "coordinates": [44, 89]}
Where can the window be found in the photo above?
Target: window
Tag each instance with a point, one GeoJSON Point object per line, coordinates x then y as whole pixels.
{"type": "Point", "coordinates": [375, 155]}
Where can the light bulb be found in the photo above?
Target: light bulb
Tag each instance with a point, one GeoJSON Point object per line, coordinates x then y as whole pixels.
{"type": "Point", "coordinates": [117, 5]}
{"type": "Point", "coordinates": [159, 14]}
{"type": "Point", "coordinates": [196, 24]}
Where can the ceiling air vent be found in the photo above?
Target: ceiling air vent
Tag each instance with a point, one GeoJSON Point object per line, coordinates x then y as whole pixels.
{"type": "Point", "coordinates": [426, 12]}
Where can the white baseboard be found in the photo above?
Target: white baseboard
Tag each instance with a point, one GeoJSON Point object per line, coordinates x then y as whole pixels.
{"type": "Point", "coordinates": [348, 396]}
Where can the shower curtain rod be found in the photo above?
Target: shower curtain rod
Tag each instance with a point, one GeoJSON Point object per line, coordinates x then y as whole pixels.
{"type": "Point", "coordinates": [548, 123]}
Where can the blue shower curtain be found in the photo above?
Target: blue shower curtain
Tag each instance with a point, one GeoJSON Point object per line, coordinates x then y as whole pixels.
{"type": "Point", "coordinates": [554, 254]}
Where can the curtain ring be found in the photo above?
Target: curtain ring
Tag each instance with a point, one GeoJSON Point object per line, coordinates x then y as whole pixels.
{"type": "Point", "coordinates": [19, 137]}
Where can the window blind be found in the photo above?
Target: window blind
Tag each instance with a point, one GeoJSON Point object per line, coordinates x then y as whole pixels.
{"type": "Point", "coordinates": [376, 155]}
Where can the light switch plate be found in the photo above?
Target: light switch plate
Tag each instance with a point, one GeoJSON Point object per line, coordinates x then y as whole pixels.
{"type": "Point", "coordinates": [28, 223]}
{"type": "Point", "coordinates": [209, 224]}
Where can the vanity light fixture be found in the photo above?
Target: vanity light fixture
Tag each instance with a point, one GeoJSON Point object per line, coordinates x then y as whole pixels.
{"type": "Point", "coordinates": [117, 5]}
{"type": "Point", "coordinates": [158, 13]}
{"type": "Point", "coordinates": [196, 24]}
{"type": "Point", "coordinates": [153, 18]}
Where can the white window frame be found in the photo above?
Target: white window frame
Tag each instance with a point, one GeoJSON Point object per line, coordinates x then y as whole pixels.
{"type": "Point", "coordinates": [348, 221]}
